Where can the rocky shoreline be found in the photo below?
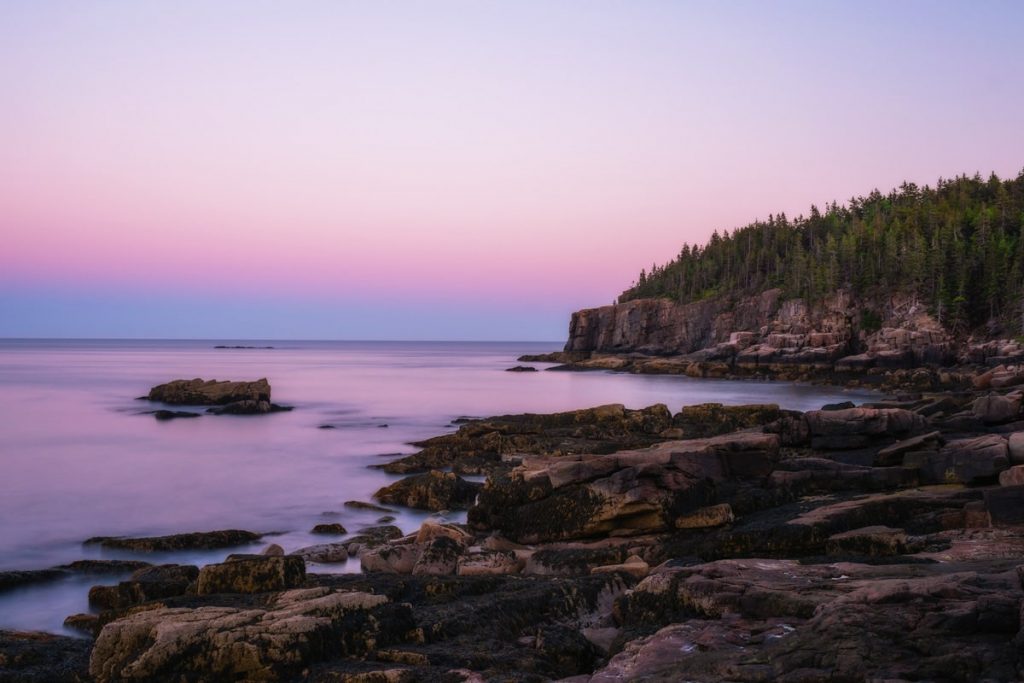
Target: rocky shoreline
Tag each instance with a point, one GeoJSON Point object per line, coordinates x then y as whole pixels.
{"type": "Point", "coordinates": [716, 543]}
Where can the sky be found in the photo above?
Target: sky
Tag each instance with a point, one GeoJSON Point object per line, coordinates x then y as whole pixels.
{"type": "Point", "coordinates": [449, 169]}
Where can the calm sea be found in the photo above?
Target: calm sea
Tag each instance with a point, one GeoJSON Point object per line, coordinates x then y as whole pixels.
{"type": "Point", "coordinates": [78, 459]}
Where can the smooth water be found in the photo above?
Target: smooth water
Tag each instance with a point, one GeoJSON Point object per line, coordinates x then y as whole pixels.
{"type": "Point", "coordinates": [78, 459]}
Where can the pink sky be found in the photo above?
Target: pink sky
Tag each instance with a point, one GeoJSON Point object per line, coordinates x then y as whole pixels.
{"type": "Point", "coordinates": [480, 157]}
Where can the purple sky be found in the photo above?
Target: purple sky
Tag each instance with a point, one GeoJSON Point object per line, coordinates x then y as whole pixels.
{"type": "Point", "coordinates": [451, 170]}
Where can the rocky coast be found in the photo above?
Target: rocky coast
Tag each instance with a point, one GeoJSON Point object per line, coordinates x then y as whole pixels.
{"type": "Point", "coordinates": [711, 543]}
{"type": "Point", "coordinates": [880, 541]}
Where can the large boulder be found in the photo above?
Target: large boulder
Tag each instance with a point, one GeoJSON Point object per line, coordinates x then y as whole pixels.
{"type": "Point", "coordinates": [212, 392]}
{"type": "Point", "coordinates": [431, 491]}
{"type": "Point", "coordinates": [252, 574]}
{"type": "Point", "coordinates": [975, 460]}
{"type": "Point", "coordinates": [268, 643]}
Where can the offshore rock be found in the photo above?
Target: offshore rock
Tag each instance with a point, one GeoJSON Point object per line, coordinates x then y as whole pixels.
{"type": "Point", "coordinates": [200, 392]}
{"type": "Point", "coordinates": [148, 583]}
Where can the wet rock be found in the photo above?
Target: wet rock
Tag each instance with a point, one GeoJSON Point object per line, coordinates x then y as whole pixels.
{"type": "Point", "coordinates": [573, 561]}
{"type": "Point", "coordinates": [248, 408]}
{"type": "Point", "coordinates": [360, 505]}
{"type": "Point", "coordinates": [273, 550]}
{"type": "Point", "coordinates": [371, 537]}
{"type": "Point", "coordinates": [253, 574]}
{"type": "Point", "coordinates": [204, 540]}
{"type": "Point", "coordinates": [149, 583]}
{"type": "Point", "coordinates": [333, 528]}
{"type": "Point", "coordinates": [521, 368]}
{"type": "Point", "coordinates": [25, 577]}
{"type": "Point", "coordinates": [88, 624]}
{"type": "Point", "coordinates": [431, 530]}
{"type": "Point", "coordinates": [164, 415]}
{"type": "Point", "coordinates": [104, 566]}
{"type": "Point", "coordinates": [200, 392]}
{"type": "Point", "coordinates": [325, 553]}
{"type": "Point", "coordinates": [431, 491]}
{"type": "Point", "coordinates": [296, 628]}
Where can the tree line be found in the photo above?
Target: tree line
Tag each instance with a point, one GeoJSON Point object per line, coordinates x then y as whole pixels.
{"type": "Point", "coordinates": [958, 247]}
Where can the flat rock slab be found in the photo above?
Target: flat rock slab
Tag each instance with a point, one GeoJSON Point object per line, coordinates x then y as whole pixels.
{"type": "Point", "coordinates": [199, 540]}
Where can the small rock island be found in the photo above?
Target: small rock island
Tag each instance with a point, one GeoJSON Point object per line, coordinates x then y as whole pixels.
{"type": "Point", "coordinates": [225, 397]}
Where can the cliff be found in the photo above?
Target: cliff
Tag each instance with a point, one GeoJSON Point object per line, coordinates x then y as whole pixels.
{"type": "Point", "coordinates": [840, 332]}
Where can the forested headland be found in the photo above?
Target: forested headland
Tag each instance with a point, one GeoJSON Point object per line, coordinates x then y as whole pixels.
{"type": "Point", "coordinates": [958, 247]}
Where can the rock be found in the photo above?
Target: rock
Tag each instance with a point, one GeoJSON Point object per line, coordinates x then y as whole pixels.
{"type": "Point", "coordinates": [713, 515]}
{"type": "Point", "coordinates": [32, 657]}
{"type": "Point", "coordinates": [439, 556]}
{"type": "Point", "coordinates": [104, 566]}
{"type": "Point", "coordinates": [976, 460]}
{"type": "Point", "coordinates": [200, 392]}
{"type": "Point", "coordinates": [871, 540]}
{"type": "Point", "coordinates": [1016, 448]}
{"type": "Point", "coordinates": [205, 540]}
{"type": "Point", "coordinates": [995, 409]}
{"type": "Point", "coordinates": [480, 446]}
{"type": "Point", "coordinates": [256, 574]}
{"type": "Point", "coordinates": [432, 491]}
{"type": "Point", "coordinates": [489, 563]}
{"type": "Point", "coordinates": [712, 419]}
{"type": "Point", "coordinates": [296, 628]}
{"type": "Point", "coordinates": [273, 550]}
{"type": "Point", "coordinates": [634, 566]}
{"type": "Point", "coordinates": [171, 414]}
{"type": "Point", "coordinates": [893, 455]}
{"type": "Point", "coordinates": [431, 530]}
{"type": "Point", "coordinates": [248, 408]}
{"type": "Point", "coordinates": [1005, 505]}
{"type": "Point", "coordinates": [360, 505]}
{"type": "Point", "coordinates": [17, 578]}
{"type": "Point", "coordinates": [334, 528]}
{"type": "Point", "coordinates": [568, 562]}
{"type": "Point", "coordinates": [548, 499]}
{"type": "Point", "coordinates": [88, 624]}
{"type": "Point", "coordinates": [324, 553]}
{"type": "Point", "coordinates": [390, 559]}
{"type": "Point", "coordinates": [521, 368]}
{"type": "Point", "coordinates": [859, 427]}
{"type": "Point", "coordinates": [1012, 477]}
{"type": "Point", "coordinates": [149, 583]}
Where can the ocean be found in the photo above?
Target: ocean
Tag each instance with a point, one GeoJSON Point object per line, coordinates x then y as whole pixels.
{"type": "Point", "coordinates": [78, 458]}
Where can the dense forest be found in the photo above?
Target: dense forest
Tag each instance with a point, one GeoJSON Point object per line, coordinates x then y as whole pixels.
{"type": "Point", "coordinates": [958, 246]}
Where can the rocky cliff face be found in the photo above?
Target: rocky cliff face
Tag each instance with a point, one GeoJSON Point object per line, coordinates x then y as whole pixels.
{"type": "Point", "coordinates": [766, 329]}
